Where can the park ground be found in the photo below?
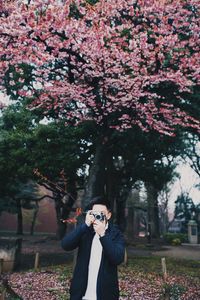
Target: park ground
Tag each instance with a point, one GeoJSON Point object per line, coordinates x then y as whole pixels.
{"type": "Point", "coordinates": [140, 278]}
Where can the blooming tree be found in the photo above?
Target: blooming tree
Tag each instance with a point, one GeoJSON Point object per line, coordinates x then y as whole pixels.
{"type": "Point", "coordinates": [119, 63]}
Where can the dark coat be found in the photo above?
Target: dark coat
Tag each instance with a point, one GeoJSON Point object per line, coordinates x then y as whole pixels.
{"type": "Point", "coordinates": [112, 255]}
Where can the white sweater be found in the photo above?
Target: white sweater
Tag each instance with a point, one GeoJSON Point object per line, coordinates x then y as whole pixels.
{"type": "Point", "coordinates": [94, 264]}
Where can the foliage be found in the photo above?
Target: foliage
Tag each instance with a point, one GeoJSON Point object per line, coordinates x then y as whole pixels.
{"type": "Point", "coordinates": [120, 63]}
{"type": "Point", "coordinates": [192, 151]}
{"type": "Point", "coordinates": [170, 237]}
{"type": "Point", "coordinates": [186, 210]}
{"type": "Point", "coordinates": [15, 163]}
{"type": "Point", "coordinates": [26, 144]}
{"type": "Point", "coordinates": [60, 152]}
{"type": "Point", "coordinates": [176, 242]}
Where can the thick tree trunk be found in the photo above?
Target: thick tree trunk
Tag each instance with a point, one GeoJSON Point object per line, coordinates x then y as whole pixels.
{"type": "Point", "coordinates": [35, 213]}
{"type": "Point", "coordinates": [153, 212]}
{"type": "Point", "coordinates": [115, 192]}
{"type": "Point", "coordinates": [96, 180]}
{"type": "Point", "coordinates": [19, 217]}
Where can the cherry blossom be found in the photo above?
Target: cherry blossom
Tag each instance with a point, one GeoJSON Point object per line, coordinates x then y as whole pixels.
{"type": "Point", "coordinates": [105, 62]}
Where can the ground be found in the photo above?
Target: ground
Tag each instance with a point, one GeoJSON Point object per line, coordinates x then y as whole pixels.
{"type": "Point", "coordinates": [140, 279]}
{"type": "Point", "coordinates": [185, 251]}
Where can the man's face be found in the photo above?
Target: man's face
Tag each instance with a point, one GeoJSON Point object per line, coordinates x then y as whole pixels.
{"type": "Point", "coordinates": [99, 208]}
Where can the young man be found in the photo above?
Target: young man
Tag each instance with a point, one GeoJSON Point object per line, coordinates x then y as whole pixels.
{"type": "Point", "coordinates": [101, 248]}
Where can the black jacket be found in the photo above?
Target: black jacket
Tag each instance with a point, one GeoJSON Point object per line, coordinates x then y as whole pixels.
{"type": "Point", "coordinates": [112, 255]}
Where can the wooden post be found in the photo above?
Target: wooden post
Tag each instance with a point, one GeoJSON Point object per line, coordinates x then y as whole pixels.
{"type": "Point", "coordinates": [3, 295]}
{"type": "Point", "coordinates": [36, 261]}
{"type": "Point", "coordinates": [1, 265]}
{"type": "Point", "coordinates": [164, 268]}
{"type": "Point", "coordinates": [125, 257]}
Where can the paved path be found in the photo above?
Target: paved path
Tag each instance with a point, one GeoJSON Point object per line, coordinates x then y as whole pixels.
{"type": "Point", "coordinates": [185, 251]}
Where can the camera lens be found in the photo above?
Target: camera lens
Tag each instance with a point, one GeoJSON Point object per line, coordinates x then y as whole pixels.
{"type": "Point", "coordinates": [98, 217]}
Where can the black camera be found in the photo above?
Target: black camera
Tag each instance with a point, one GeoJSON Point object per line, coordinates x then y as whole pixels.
{"type": "Point", "coordinates": [98, 216]}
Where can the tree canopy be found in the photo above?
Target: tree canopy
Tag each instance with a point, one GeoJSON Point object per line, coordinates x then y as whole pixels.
{"type": "Point", "coordinates": [120, 63]}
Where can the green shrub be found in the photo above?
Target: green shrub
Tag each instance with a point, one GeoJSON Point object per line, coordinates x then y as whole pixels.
{"type": "Point", "coordinates": [176, 242]}
{"type": "Point", "coordinates": [170, 237]}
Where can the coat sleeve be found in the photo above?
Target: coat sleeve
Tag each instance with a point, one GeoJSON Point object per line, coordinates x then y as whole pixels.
{"type": "Point", "coordinates": [72, 239]}
{"type": "Point", "coordinates": [114, 247]}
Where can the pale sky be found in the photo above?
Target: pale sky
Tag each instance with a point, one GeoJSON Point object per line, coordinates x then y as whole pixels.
{"type": "Point", "coordinates": [186, 183]}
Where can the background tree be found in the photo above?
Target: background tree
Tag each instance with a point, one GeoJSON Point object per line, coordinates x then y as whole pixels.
{"type": "Point", "coordinates": [164, 198]}
{"type": "Point", "coordinates": [15, 167]}
{"type": "Point", "coordinates": [185, 210]}
{"type": "Point", "coordinates": [192, 152]}
{"type": "Point", "coordinates": [57, 151]}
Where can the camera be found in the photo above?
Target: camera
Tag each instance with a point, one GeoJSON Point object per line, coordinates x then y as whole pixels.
{"type": "Point", "coordinates": [98, 216]}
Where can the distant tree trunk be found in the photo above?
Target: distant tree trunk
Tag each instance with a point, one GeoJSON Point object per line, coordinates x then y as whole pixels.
{"type": "Point", "coordinates": [121, 219]}
{"type": "Point", "coordinates": [34, 218]}
{"type": "Point", "coordinates": [19, 217]}
{"type": "Point", "coordinates": [152, 210]}
{"type": "Point", "coordinates": [96, 180]}
{"type": "Point", "coordinates": [61, 226]}
{"type": "Point", "coordinates": [120, 216]}
{"type": "Point", "coordinates": [63, 205]}
{"type": "Point", "coordinates": [130, 222]}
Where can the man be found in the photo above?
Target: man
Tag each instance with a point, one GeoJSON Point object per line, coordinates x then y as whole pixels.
{"type": "Point", "coordinates": [101, 248]}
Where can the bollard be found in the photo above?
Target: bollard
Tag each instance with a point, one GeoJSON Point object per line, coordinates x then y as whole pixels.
{"type": "Point", "coordinates": [125, 257]}
{"type": "Point", "coordinates": [164, 268]}
{"type": "Point", "coordinates": [36, 266]}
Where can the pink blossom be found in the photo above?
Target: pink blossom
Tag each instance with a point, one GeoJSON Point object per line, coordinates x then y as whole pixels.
{"type": "Point", "coordinates": [102, 65]}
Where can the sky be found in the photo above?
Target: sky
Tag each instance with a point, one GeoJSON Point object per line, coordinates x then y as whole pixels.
{"type": "Point", "coordinates": [186, 183]}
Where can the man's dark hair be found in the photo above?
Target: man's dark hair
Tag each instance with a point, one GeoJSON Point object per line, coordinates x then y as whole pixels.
{"type": "Point", "coordinates": [99, 200]}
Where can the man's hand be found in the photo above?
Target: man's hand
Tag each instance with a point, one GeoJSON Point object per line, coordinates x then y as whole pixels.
{"type": "Point", "coordinates": [100, 227]}
{"type": "Point", "coordinates": [89, 220]}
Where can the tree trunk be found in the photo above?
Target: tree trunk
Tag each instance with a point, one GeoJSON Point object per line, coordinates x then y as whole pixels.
{"type": "Point", "coordinates": [120, 217]}
{"type": "Point", "coordinates": [130, 223]}
{"type": "Point", "coordinates": [112, 181]}
{"type": "Point", "coordinates": [63, 206]}
{"type": "Point", "coordinates": [152, 210]}
{"type": "Point", "coordinates": [61, 226]}
{"type": "Point", "coordinates": [96, 180]}
{"type": "Point", "coordinates": [34, 218]}
{"type": "Point", "coordinates": [19, 217]}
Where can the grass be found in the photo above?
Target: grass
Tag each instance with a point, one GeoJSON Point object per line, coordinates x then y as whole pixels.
{"type": "Point", "coordinates": [174, 266]}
